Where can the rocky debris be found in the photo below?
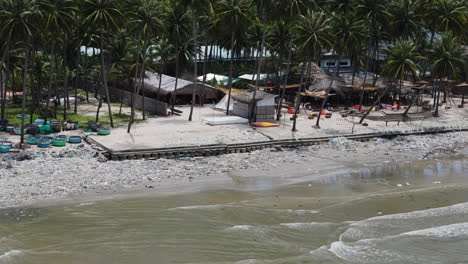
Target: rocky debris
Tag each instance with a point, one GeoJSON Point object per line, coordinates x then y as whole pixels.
{"type": "Point", "coordinates": [58, 172]}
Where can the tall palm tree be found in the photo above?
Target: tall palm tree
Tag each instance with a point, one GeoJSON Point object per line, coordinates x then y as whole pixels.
{"type": "Point", "coordinates": [236, 17]}
{"type": "Point", "coordinates": [447, 16]}
{"type": "Point", "coordinates": [106, 15]}
{"type": "Point", "coordinates": [196, 8]}
{"type": "Point", "coordinates": [375, 13]}
{"type": "Point", "coordinates": [19, 19]}
{"type": "Point", "coordinates": [405, 19]}
{"type": "Point", "coordinates": [288, 11]}
{"type": "Point", "coordinates": [178, 21]}
{"type": "Point", "coordinates": [58, 16]}
{"type": "Point", "coordinates": [312, 35]}
{"type": "Point", "coordinates": [448, 62]}
{"type": "Point", "coordinates": [401, 62]}
{"type": "Point", "coordinates": [280, 44]}
{"type": "Point", "coordinates": [147, 24]}
{"type": "Point", "coordinates": [347, 30]}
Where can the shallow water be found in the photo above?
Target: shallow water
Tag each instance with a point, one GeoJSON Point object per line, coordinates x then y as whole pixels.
{"type": "Point", "coordinates": [396, 213]}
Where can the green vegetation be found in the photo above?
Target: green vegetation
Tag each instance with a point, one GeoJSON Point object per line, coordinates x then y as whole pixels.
{"type": "Point", "coordinates": [50, 48]}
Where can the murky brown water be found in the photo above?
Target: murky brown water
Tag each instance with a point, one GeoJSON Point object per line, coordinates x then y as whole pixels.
{"type": "Point", "coordinates": [363, 217]}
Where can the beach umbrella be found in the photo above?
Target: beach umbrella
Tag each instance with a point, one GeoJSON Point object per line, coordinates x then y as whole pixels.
{"type": "Point", "coordinates": [464, 84]}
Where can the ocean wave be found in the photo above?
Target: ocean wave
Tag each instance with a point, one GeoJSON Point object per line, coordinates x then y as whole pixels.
{"type": "Point", "coordinates": [10, 254]}
{"type": "Point", "coordinates": [456, 209]}
{"type": "Point", "coordinates": [306, 225]}
{"type": "Point", "coordinates": [199, 207]}
{"type": "Point", "coordinates": [459, 230]}
{"type": "Point", "coordinates": [245, 228]}
{"type": "Point", "coordinates": [296, 211]}
{"type": "Point", "coordinates": [361, 252]}
{"type": "Point", "coordinates": [388, 225]}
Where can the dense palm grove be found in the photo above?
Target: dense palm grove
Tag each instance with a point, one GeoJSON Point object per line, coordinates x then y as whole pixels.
{"type": "Point", "coordinates": [43, 42]}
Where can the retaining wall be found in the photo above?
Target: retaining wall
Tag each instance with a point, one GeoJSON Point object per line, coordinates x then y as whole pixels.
{"type": "Point", "coordinates": [220, 149]}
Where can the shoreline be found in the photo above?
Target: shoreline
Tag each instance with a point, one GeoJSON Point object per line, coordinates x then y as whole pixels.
{"type": "Point", "coordinates": [78, 174]}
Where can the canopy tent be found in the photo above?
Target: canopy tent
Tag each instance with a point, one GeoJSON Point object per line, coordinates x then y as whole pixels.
{"type": "Point", "coordinates": [220, 79]}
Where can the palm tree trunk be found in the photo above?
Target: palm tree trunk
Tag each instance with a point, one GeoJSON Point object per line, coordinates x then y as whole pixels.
{"type": "Point", "coordinates": [51, 74]}
{"type": "Point", "coordinates": [283, 90]}
{"type": "Point", "coordinates": [77, 79]}
{"type": "Point", "coordinates": [375, 104]}
{"type": "Point", "coordinates": [364, 82]}
{"type": "Point", "coordinates": [231, 69]}
{"type": "Point", "coordinates": [86, 75]}
{"type": "Point", "coordinates": [174, 94]}
{"type": "Point", "coordinates": [142, 83]}
{"type": "Point", "coordinates": [334, 76]}
{"type": "Point", "coordinates": [135, 85]}
{"type": "Point", "coordinates": [194, 29]}
{"type": "Point", "coordinates": [34, 92]}
{"type": "Point", "coordinates": [99, 91]}
{"type": "Point", "coordinates": [298, 96]}
{"type": "Point", "coordinates": [376, 58]}
{"type": "Point", "coordinates": [104, 79]}
{"type": "Point", "coordinates": [23, 101]}
{"type": "Point", "coordinates": [159, 86]}
{"type": "Point", "coordinates": [257, 81]}
{"type": "Point", "coordinates": [2, 83]}
{"type": "Point", "coordinates": [65, 85]}
{"type": "Point", "coordinates": [202, 93]}
{"type": "Point", "coordinates": [436, 113]}
{"type": "Point", "coordinates": [66, 98]}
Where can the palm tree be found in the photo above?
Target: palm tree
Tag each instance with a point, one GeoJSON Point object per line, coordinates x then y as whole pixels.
{"type": "Point", "coordinates": [19, 20]}
{"type": "Point", "coordinates": [406, 20]}
{"type": "Point", "coordinates": [375, 13]}
{"type": "Point", "coordinates": [147, 23]}
{"type": "Point", "coordinates": [280, 43]}
{"type": "Point", "coordinates": [105, 14]}
{"type": "Point", "coordinates": [196, 7]}
{"type": "Point", "coordinates": [313, 36]}
{"type": "Point", "coordinates": [347, 30]}
{"type": "Point", "coordinates": [293, 9]}
{"type": "Point", "coordinates": [447, 16]}
{"type": "Point", "coordinates": [178, 21]}
{"type": "Point", "coordinates": [235, 16]}
{"type": "Point", "coordinates": [401, 62]}
{"type": "Point", "coordinates": [448, 62]}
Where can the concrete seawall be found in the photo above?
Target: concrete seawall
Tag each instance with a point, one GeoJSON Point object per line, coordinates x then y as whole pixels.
{"type": "Point", "coordinates": [221, 149]}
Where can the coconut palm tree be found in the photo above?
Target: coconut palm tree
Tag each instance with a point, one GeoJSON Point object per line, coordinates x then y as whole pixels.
{"type": "Point", "coordinates": [375, 13]}
{"type": "Point", "coordinates": [178, 21]}
{"type": "Point", "coordinates": [58, 16]}
{"type": "Point", "coordinates": [405, 19]}
{"type": "Point", "coordinates": [235, 15]}
{"type": "Point", "coordinates": [312, 35]}
{"type": "Point", "coordinates": [196, 8]}
{"type": "Point", "coordinates": [288, 11]}
{"type": "Point", "coordinates": [447, 16]}
{"type": "Point", "coordinates": [448, 62]}
{"type": "Point", "coordinates": [401, 62]}
{"type": "Point", "coordinates": [147, 23]}
{"type": "Point", "coordinates": [19, 19]}
{"type": "Point", "coordinates": [106, 15]}
{"type": "Point", "coordinates": [347, 30]}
